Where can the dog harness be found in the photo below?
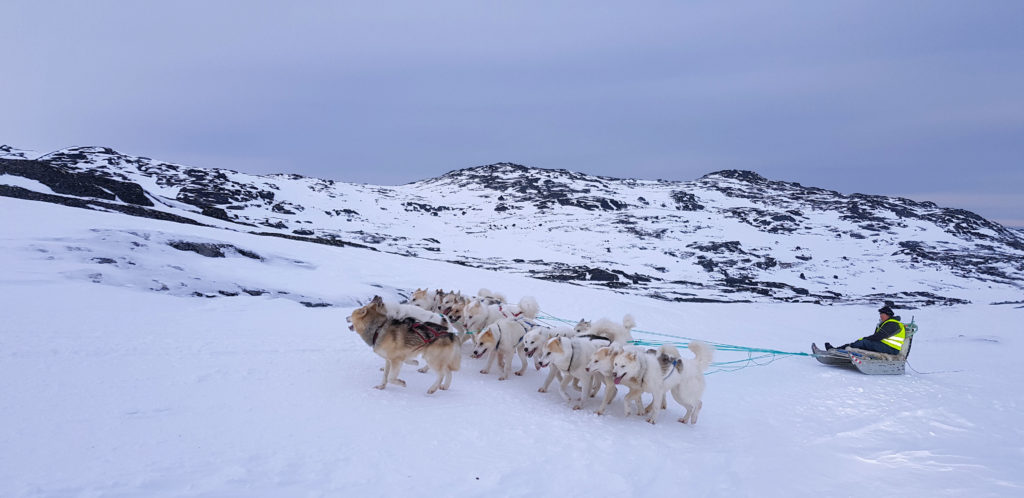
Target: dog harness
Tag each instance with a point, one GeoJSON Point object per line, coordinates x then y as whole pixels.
{"type": "Point", "coordinates": [673, 369]}
{"type": "Point", "coordinates": [572, 356]}
{"type": "Point", "coordinates": [427, 333]}
{"type": "Point", "coordinates": [502, 311]}
{"type": "Point", "coordinates": [501, 335]}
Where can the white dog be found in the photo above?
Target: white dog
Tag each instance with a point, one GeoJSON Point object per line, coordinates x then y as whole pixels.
{"type": "Point", "coordinates": [689, 391]}
{"type": "Point", "coordinates": [533, 344]}
{"type": "Point", "coordinates": [430, 301]}
{"type": "Point", "coordinates": [602, 362]}
{"type": "Point", "coordinates": [663, 373]}
{"type": "Point", "coordinates": [503, 339]}
{"type": "Point", "coordinates": [571, 357]}
{"type": "Point", "coordinates": [618, 333]}
{"type": "Point", "coordinates": [478, 314]}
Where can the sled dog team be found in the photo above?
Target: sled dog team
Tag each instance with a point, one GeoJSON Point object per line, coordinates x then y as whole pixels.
{"type": "Point", "coordinates": [435, 324]}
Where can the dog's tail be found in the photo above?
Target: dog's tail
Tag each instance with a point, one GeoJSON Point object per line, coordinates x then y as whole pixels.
{"type": "Point", "coordinates": [528, 307]}
{"type": "Point", "coordinates": [455, 360]}
{"type": "Point", "coordinates": [704, 353]}
{"type": "Point", "coordinates": [627, 324]}
{"type": "Point", "coordinates": [669, 350]}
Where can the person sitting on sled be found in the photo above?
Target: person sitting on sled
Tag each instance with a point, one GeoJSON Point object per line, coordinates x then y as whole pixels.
{"type": "Point", "coordinates": [888, 337]}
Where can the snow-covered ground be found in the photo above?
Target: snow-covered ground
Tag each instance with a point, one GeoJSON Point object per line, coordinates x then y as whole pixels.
{"type": "Point", "coordinates": [113, 385]}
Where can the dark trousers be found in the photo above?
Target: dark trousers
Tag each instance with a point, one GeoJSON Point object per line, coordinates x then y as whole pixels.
{"type": "Point", "coordinates": [876, 346]}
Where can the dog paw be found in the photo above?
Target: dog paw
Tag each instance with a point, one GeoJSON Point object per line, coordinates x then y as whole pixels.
{"type": "Point", "coordinates": [542, 390]}
{"type": "Point", "coordinates": [519, 374]}
{"type": "Point", "coordinates": [502, 378]}
{"type": "Point", "coordinates": [484, 371]}
{"type": "Point", "coordinates": [432, 390]}
{"type": "Point", "coordinates": [650, 420]}
{"type": "Point", "coordinates": [382, 386]}
{"type": "Point", "coordinates": [577, 407]}
{"type": "Point", "coordinates": [599, 412]}
{"type": "Point", "coordinates": [399, 382]}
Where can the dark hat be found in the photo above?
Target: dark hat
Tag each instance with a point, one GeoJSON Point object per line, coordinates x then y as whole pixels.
{"type": "Point", "coordinates": [887, 310]}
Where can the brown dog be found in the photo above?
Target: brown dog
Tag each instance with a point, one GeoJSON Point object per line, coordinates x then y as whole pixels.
{"type": "Point", "coordinates": [399, 340]}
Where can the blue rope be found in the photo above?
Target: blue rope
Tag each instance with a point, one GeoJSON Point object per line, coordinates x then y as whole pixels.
{"type": "Point", "coordinates": [719, 366]}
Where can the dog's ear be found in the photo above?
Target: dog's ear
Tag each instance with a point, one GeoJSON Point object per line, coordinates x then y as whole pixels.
{"type": "Point", "coordinates": [377, 299]}
{"type": "Point", "coordinates": [631, 356]}
{"type": "Point", "coordinates": [555, 345]}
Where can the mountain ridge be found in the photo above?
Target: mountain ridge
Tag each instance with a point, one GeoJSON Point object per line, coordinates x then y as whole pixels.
{"type": "Point", "coordinates": [728, 236]}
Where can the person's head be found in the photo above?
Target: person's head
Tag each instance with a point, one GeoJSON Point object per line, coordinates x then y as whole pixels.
{"type": "Point", "coordinates": [885, 312]}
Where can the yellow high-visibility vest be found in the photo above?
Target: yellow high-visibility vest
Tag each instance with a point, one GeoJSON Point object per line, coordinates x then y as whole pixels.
{"type": "Point", "coordinates": [896, 340]}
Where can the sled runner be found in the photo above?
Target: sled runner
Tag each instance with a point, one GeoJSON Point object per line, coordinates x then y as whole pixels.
{"type": "Point", "coordinates": [869, 362]}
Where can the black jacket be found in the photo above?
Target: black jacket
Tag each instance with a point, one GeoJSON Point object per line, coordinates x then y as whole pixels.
{"type": "Point", "coordinates": [886, 330]}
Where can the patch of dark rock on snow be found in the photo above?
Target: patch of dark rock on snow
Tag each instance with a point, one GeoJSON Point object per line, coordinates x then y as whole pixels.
{"type": "Point", "coordinates": [95, 205]}
{"type": "Point", "coordinates": [686, 201]}
{"type": "Point", "coordinates": [328, 240]}
{"type": "Point", "coordinates": [321, 304]}
{"type": "Point", "coordinates": [78, 184]}
{"type": "Point", "coordinates": [425, 208]}
{"type": "Point", "coordinates": [211, 250]}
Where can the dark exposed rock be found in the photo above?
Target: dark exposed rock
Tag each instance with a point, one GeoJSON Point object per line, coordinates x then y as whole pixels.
{"type": "Point", "coordinates": [686, 201]}
{"type": "Point", "coordinates": [22, 193]}
{"type": "Point", "coordinates": [75, 183]}
{"type": "Point", "coordinates": [210, 250]}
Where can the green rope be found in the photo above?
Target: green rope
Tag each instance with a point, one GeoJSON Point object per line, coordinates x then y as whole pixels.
{"type": "Point", "coordinates": [771, 355]}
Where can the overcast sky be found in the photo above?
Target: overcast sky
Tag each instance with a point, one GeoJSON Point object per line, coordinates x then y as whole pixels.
{"type": "Point", "coordinates": [921, 99]}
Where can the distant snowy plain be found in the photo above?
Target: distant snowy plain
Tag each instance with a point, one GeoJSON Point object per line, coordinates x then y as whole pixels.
{"type": "Point", "coordinates": [116, 381]}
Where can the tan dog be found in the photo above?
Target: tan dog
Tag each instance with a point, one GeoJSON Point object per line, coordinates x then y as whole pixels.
{"type": "Point", "coordinates": [400, 340]}
{"type": "Point", "coordinates": [503, 339]}
{"type": "Point", "coordinates": [430, 301]}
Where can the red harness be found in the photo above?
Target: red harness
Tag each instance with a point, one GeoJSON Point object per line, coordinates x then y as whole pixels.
{"type": "Point", "coordinates": [427, 333]}
{"type": "Point", "coordinates": [502, 311]}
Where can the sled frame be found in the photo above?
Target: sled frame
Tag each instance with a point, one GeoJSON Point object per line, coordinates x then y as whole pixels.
{"type": "Point", "coordinates": [870, 362]}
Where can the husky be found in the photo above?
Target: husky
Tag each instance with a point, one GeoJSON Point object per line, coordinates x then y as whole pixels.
{"type": "Point", "coordinates": [689, 391]}
{"type": "Point", "coordinates": [452, 306]}
{"type": "Point", "coordinates": [571, 357]}
{"type": "Point", "coordinates": [618, 333]}
{"type": "Point", "coordinates": [430, 301]}
{"type": "Point", "coordinates": [400, 340]}
{"type": "Point", "coordinates": [400, 312]}
{"type": "Point", "coordinates": [489, 297]}
{"type": "Point", "coordinates": [533, 344]}
{"type": "Point", "coordinates": [602, 362]}
{"type": "Point", "coordinates": [663, 373]}
{"type": "Point", "coordinates": [537, 336]}
{"type": "Point", "coordinates": [478, 314]}
{"type": "Point", "coordinates": [503, 339]}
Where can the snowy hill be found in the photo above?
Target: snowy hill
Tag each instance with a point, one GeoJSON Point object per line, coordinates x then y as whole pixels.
{"type": "Point", "coordinates": [119, 377]}
{"type": "Point", "coordinates": [729, 236]}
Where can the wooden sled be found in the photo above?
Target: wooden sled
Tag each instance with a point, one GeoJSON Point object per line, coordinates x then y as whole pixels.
{"type": "Point", "coordinates": [870, 362]}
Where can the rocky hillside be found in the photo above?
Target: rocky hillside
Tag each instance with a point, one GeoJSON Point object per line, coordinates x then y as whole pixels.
{"type": "Point", "coordinates": [727, 236]}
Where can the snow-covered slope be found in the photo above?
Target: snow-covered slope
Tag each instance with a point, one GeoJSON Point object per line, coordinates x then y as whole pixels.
{"type": "Point", "coordinates": [728, 236]}
{"type": "Point", "coordinates": [119, 376]}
